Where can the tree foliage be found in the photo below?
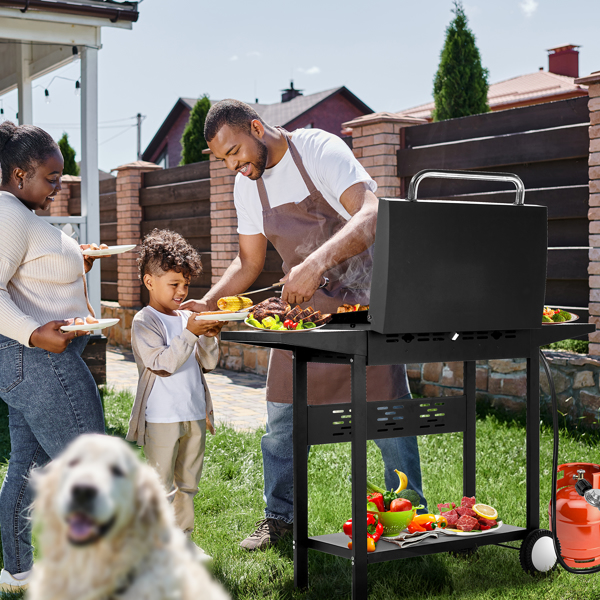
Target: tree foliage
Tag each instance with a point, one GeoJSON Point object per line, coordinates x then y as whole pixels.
{"type": "Point", "coordinates": [460, 86]}
{"type": "Point", "coordinates": [192, 140]}
{"type": "Point", "coordinates": [71, 167]}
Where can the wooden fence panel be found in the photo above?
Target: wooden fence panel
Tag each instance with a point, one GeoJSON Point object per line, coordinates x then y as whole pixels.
{"type": "Point", "coordinates": [179, 199]}
{"type": "Point", "coordinates": [539, 116]}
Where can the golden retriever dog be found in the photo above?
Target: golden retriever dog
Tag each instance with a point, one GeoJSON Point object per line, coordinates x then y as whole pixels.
{"type": "Point", "coordinates": [106, 531]}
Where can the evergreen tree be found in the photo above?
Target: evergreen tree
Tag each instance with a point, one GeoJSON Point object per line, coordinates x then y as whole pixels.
{"type": "Point", "coordinates": [71, 167]}
{"type": "Point", "coordinates": [192, 140]}
{"type": "Point", "coordinates": [460, 86]}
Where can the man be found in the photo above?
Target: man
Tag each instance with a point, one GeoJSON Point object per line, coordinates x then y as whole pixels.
{"type": "Point", "coordinates": [308, 195]}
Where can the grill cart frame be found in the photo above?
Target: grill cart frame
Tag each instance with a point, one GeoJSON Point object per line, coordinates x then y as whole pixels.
{"type": "Point", "coordinates": [359, 346]}
{"type": "Point", "coordinates": [452, 282]}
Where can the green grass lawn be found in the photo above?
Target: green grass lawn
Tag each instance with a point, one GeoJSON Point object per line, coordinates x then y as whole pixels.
{"type": "Point", "coordinates": [230, 502]}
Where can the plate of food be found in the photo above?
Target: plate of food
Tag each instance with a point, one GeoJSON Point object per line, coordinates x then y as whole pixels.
{"type": "Point", "coordinates": [89, 324]}
{"type": "Point", "coordinates": [470, 518]}
{"type": "Point", "coordinates": [555, 316]}
{"type": "Point", "coordinates": [104, 250]}
{"type": "Point", "coordinates": [274, 314]}
{"type": "Point", "coordinates": [221, 315]}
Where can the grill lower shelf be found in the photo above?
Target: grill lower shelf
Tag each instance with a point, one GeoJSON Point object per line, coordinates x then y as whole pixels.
{"type": "Point", "coordinates": [337, 544]}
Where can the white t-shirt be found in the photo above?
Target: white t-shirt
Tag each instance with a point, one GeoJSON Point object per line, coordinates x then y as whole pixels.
{"type": "Point", "coordinates": [330, 163]}
{"type": "Point", "coordinates": [179, 397]}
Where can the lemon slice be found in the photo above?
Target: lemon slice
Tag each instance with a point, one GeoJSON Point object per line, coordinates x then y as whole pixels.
{"type": "Point", "coordinates": [485, 511]}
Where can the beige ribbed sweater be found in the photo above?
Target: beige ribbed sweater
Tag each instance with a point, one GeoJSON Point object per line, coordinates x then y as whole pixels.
{"type": "Point", "coordinates": [41, 272]}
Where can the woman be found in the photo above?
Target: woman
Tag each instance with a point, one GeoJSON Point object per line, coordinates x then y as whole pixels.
{"type": "Point", "coordinates": [50, 392]}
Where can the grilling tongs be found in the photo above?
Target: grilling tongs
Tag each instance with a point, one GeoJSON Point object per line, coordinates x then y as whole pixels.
{"type": "Point", "coordinates": [279, 284]}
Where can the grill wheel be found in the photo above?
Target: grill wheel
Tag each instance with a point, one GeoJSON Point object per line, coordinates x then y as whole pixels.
{"type": "Point", "coordinates": [537, 554]}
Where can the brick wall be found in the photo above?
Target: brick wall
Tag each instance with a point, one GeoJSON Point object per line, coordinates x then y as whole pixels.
{"type": "Point", "coordinates": [223, 221]}
{"type": "Point", "coordinates": [376, 139]}
{"type": "Point", "coordinates": [593, 81]}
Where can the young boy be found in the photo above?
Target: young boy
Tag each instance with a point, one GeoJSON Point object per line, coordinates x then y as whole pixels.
{"type": "Point", "coordinates": [172, 350]}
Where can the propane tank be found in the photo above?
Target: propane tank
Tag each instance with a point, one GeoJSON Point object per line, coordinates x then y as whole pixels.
{"type": "Point", "coordinates": [577, 522]}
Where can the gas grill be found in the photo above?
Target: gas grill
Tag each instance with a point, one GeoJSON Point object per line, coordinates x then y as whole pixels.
{"type": "Point", "coordinates": [452, 281]}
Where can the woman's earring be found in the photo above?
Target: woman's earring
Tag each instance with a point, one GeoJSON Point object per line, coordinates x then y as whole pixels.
{"type": "Point", "coordinates": [20, 185]}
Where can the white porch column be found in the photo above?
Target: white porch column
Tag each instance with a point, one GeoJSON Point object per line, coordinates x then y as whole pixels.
{"type": "Point", "coordinates": [90, 189]}
{"type": "Point", "coordinates": [23, 65]}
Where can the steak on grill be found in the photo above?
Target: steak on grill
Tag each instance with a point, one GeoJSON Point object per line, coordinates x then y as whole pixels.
{"type": "Point", "coordinates": [269, 308]}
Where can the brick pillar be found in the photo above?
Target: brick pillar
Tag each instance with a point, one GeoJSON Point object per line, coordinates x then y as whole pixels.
{"type": "Point", "coordinates": [593, 83]}
{"type": "Point", "coordinates": [375, 142]}
{"type": "Point", "coordinates": [60, 206]}
{"type": "Point", "coordinates": [129, 219]}
{"type": "Point", "coordinates": [224, 245]}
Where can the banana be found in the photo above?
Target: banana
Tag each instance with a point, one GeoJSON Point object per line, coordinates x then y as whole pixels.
{"type": "Point", "coordinates": [403, 481]}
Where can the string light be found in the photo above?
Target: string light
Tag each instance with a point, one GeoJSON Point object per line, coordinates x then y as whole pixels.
{"type": "Point", "coordinates": [77, 88]}
{"type": "Point", "coordinates": [47, 95]}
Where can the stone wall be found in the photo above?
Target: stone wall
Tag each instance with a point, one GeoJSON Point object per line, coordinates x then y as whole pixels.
{"type": "Point", "coordinates": [503, 383]}
{"type": "Point", "coordinates": [241, 357]}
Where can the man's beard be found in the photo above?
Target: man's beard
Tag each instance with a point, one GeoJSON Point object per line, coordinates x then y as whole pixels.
{"type": "Point", "coordinates": [261, 159]}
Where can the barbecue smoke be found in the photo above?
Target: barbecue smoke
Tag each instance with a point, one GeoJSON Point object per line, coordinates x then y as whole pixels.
{"type": "Point", "coordinates": [354, 274]}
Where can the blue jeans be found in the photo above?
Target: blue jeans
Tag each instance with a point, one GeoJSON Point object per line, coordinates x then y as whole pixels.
{"type": "Point", "coordinates": [400, 453]}
{"type": "Point", "coordinates": [52, 398]}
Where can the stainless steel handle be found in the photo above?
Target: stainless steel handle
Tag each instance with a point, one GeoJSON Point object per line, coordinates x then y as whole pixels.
{"type": "Point", "coordinates": [466, 175]}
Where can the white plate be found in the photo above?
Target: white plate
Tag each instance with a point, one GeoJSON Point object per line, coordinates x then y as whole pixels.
{"type": "Point", "coordinates": [224, 317]}
{"type": "Point", "coordinates": [471, 533]}
{"type": "Point", "coordinates": [285, 330]}
{"type": "Point", "coordinates": [101, 324]}
{"type": "Point", "coordinates": [574, 317]}
{"type": "Point", "coordinates": [109, 250]}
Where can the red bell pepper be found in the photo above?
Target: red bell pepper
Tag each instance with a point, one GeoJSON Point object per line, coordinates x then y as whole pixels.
{"type": "Point", "coordinates": [377, 499]}
{"type": "Point", "coordinates": [374, 527]}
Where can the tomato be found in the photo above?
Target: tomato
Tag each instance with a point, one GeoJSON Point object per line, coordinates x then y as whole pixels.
{"type": "Point", "coordinates": [287, 323]}
{"type": "Point", "coordinates": [400, 505]}
{"type": "Point", "coordinates": [293, 325]}
{"type": "Point", "coordinates": [371, 545]}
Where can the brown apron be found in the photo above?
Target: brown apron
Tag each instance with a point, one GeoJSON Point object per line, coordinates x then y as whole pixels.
{"type": "Point", "coordinates": [296, 230]}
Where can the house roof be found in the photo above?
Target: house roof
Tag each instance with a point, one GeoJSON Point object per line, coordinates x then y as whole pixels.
{"type": "Point", "coordinates": [283, 113]}
{"type": "Point", "coordinates": [280, 113]}
{"type": "Point", "coordinates": [541, 84]}
{"type": "Point", "coordinates": [109, 9]}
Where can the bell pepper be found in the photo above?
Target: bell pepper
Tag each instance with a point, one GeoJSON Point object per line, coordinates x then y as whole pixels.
{"type": "Point", "coordinates": [374, 531]}
{"type": "Point", "coordinates": [377, 499]}
{"type": "Point", "coordinates": [427, 522]}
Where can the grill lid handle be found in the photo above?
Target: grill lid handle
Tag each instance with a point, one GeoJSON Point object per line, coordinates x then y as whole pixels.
{"type": "Point", "coordinates": [465, 175]}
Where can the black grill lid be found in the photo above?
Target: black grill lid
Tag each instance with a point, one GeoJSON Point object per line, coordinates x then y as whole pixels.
{"type": "Point", "coordinates": [453, 266]}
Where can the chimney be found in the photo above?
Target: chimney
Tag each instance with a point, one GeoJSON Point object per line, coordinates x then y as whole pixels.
{"type": "Point", "coordinates": [564, 60]}
{"type": "Point", "coordinates": [290, 93]}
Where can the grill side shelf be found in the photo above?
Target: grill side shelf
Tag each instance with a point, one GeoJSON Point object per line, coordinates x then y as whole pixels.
{"type": "Point", "coordinates": [332, 423]}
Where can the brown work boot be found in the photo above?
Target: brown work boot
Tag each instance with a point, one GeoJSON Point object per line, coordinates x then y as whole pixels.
{"type": "Point", "coordinates": [268, 533]}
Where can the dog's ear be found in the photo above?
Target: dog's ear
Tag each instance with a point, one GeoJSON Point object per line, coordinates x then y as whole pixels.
{"type": "Point", "coordinates": [152, 508]}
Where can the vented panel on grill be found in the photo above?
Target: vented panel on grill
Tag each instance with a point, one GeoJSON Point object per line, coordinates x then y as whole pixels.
{"type": "Point", "coordinates": [331, 423]}
{"type": "Point", "coordinates": [458, 266]}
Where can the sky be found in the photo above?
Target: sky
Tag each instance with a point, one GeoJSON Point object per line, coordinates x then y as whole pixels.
{"type": "Point", "coordinates": [385, 52]}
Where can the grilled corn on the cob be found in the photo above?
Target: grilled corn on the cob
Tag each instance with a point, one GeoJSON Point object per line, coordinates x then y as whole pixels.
{"type": "Point", "coordinates": [233, 303]}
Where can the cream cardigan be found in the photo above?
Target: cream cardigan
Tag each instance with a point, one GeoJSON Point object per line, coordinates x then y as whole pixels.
{"type": "Point", "coordinates": [153, 357]}
{"type": "Point", "coordinates": [41, 272]}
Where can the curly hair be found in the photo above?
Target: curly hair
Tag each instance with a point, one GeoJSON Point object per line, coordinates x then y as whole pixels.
{"type": "Point", "coordinates": [163, 250]}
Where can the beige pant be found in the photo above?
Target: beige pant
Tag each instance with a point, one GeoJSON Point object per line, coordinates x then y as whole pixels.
{"type": "Point", "coordinates": [176, 451]}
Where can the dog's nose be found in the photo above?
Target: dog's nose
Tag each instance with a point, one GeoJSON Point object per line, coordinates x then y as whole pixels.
{"type": "Point", "coordinates": [83, 495]}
